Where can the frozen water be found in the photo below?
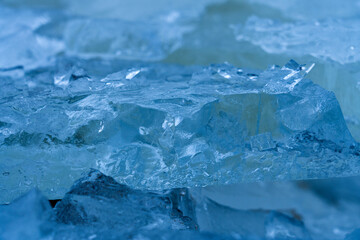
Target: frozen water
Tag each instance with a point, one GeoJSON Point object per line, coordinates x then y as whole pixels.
{"type": "Point", "coordinates": [354, 235]}
{"type": "Point", "coordinates": [251, 224]}
{"type": "Point", "coordinates": [27, 217]}
{"type": "Point", "coordinates": [97, 207]}
{"type": "Point", "coordinates": [176, 33]}
{"type": "Point", "coordinates": [90, 84]}
{"type": "Point", "coordinates": [20, 44]}
{"type": "Point", "coordinates": [315, 38]}
{"type": "Point", "coordinates": [97, 199]}
{"type": "Point", "coordinates": [295, 39]}
{"type": "Point", "coordinates": [296, 29]}
{"type": "Point", "coordinates": [307, 9]}
{"type": "Point", "coordinates": [115, 30]}
{"type": "Point", "coordinates": [161, 126]}
{"type": "Point", "coordinates": [114, 38]}
{"type": "Point", "coordinates": [328, 208]}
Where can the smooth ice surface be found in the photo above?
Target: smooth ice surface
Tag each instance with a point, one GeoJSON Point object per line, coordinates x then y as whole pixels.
{"type": "Point", "coordinates": [161, 126]}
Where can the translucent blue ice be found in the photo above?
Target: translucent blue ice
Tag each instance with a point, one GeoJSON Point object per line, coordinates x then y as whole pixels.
{"type": "Point", "coordinates": [161, 126]}
{"type": "Point", "coordinates": [97, 207]}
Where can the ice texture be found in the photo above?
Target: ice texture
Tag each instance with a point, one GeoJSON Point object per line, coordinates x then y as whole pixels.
{"type": "Point", "coordinates": [317, 38]}
{"type": "Point", "coordinates": [353, 235]}
{"type": "Point", "coordinates": [304, 30]}
{"type": "Point", "coordinates": [160, 126]}
{"type": "Point", "coordinates": [28, 217]}
{"type": "Point", "coordinates": [97, 207]}
{"type": "Point", "coordinates": [97, 199]}
{"type": "Point", "coordinates": [114, 38]}
{"type": "Point", "coordinates": [312, 38]}
{"type": "Point", "coordinates": [307, 9]}
{"type": "Point", "coordinates": [328, 208]}
{"type": "Point", "coordinates": [250, 224]}
{"type": "Point", "coordinates": [34, 36]}
{"type": "Point", "coordinates": [191, 151]}
{"type": "Point", "coordinates": [19, 42]}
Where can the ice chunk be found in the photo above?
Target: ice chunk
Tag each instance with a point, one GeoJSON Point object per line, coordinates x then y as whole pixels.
{"type": "Point", "coordinates": [283, 39]}
{"type": "Point", "coordinates": [252, 224]}
{"type": "Point", "coordinates": [97, 207]}
{"type": "Point", "coordinates": [170, 126]}
{"type": "Point", "coordinates": [27, 217]}
{"type": "Point", "coordinates": [33, 37]}
{"type": "Point", "coordinates": [98, 200]}
{"type": "Point", "coordinates": [328, 207]}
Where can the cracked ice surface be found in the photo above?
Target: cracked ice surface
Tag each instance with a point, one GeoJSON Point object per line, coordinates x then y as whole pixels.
{"type": "Point", "coordinates": [161, 126]}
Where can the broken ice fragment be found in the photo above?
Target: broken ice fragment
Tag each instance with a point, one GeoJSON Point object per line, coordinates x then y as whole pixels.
{"type": "Point", "coordinates": [248, 224]}
{"type": "Point", "coordinates": [28, 217]}
{"type": "Point", "coordinates": [99, 199]}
